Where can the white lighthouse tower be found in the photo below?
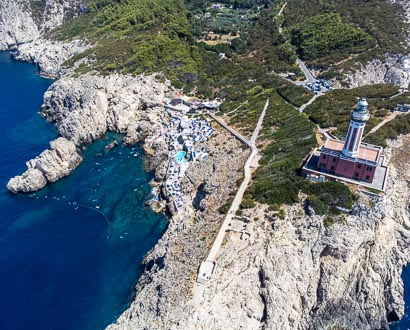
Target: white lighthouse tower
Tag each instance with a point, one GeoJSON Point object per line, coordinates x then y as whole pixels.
{"type": "Point", "coordinates": [358, 119]}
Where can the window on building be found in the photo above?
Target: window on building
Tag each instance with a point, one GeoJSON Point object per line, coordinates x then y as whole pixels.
{"type": "Point", "coordinates": [367, 177]}
{"type": "Point", "coordinates": [356, 174]}
{"type": "Point", "coordinates": [334, 159]}
{"type": "Point", "coordinates": [369, 168]}
{"type": "Point", "coordinates": [332, 168]}
{"type": "Point", "coordinates": [359, 166]}
{"type": "Point", "coordinates": [322, 165]}
{"type": "Point", "coordinates": [324, 156]}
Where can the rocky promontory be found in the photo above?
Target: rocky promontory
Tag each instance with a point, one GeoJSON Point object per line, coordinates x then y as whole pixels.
{"type": "Point", "coordinates": [50, 166]}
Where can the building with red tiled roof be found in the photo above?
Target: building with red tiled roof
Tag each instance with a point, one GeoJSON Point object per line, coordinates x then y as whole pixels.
{"type": "Point", "coordinates": [351, 159]}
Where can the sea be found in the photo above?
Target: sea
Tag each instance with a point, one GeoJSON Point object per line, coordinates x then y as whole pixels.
{"type": "Point", "coordinates": [70, 254]}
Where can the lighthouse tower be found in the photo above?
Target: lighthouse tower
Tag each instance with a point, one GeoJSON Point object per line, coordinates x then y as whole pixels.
{"type": "Point", "coordinates": [358, 119]}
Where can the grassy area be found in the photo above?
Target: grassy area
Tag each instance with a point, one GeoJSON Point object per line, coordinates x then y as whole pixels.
{"type": "Point", "coordinates": [391, 130]}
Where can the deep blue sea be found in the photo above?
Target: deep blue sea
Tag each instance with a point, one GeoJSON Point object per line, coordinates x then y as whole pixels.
{"type": "Point", "coordinates": [404, 323]}
{"type": "Point", "coordinates": [70, 254]}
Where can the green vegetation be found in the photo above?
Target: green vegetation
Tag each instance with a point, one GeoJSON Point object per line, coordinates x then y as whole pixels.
{"type": "Point", "coordinates": [247, 202]}
{"type": "Point", "coordinates": [226, 20]}
{"type": "Point", "coordinates": [333, 109]}
{"type": "Point", "coordinates": [380, 19]}
{"type": "Point", "coordinates": [141, 36]}
{"type": "Point", "coordinates": [325, 196]}
{"type": "Point", "coordinates": [136, 36]}
{"type": "Point", "coordinates": [295, 95]}
{"type": "Point", "coordinates": [288, 138]}
{"type": "Point", "coordinates": [282, 214]}
{"type": "Point", "coordinates": [391, 130]}
{"type": "Point", "coordinates": [328, 221]}
{"type": "Point", "coordinates": [323, 35]}
{"type": "Point", "coordinates": [225, 208]}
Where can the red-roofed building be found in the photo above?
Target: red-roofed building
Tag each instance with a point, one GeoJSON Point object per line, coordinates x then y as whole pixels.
{"type": "Point", "coordinates": [351, 158]}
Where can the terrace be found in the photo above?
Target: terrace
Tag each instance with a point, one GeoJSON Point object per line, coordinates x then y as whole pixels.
{"type": "Point", "coordinates": [182, 134]}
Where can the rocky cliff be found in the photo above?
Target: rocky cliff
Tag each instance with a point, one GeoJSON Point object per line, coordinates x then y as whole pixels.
{"type": "Point", "coordinates": [22, 21]}
{"type": "Point", "coordinates": [84, 109]}
{"type": "Point", "coordinates": [296, 273]}
{"type": "Point", "coordinates": [50, 166]}
{"type": "Point", "coordinates": [49, 55]}
{"type": "Point", "coordinates": [23, 24]}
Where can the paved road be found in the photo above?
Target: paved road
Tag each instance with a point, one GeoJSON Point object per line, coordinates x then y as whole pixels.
{"type": "Point", "coordinates": [303, 107]}
{"type": "Point", "coordinates": [282, 9]}
{"type": "Point", "coordinates": [398, 94]}
{"type": "Point", "coordinates": [306, 72]}
{"type": "Point", "coordinates": [239, 195]}
{"type": "Point", "coordinates": [382, 123]}
{"type": "Point", "coordinates": [259, 124]}
{"type": "Point", "coordinates": [206, 269]}
{"type": "Point", "coordinates": [280, 13]}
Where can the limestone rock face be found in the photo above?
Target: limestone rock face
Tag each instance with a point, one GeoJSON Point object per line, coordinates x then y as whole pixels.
{"type": "Point", "coordinates": [21, 23]}
{"type": "Point", "coordinates": [395, 70]}
{"type": "Point", "coordinates": [16, 24]}
{"type": "Point", "coordinates": [48, 55]}
{"type": "Point", "coordinates": [58, 161]}
{"type": "Point", "coordinates": [29, 181]}
{"type": "Point", "coordinates": [85, 108]}
{"type": "Point", "coordinates": [49, 166]}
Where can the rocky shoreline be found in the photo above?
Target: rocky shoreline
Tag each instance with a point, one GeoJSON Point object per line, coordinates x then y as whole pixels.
{"type": "Point", "coordinates": [84, 109]}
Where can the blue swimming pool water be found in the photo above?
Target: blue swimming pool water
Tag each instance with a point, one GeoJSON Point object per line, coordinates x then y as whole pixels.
{"type": "Point", "coordinates": [180, 156]}
{"type": "Point", "coordinates": [69, 254]}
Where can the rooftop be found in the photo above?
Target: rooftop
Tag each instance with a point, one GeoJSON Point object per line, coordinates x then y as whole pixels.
{"type": "Point", "coordinates": [366, 152]}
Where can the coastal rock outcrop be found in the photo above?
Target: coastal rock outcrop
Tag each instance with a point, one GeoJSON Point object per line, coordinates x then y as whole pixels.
{"type": "Point", "coordinates": [50, 166]}
{"type": "Point", "coordinates": [394, 70]}
{"type": "Point", "coordinates": [30, 181]}
{"type": "Point", "coordinates": [84, 108]}
{"type": "Point", "coordinates": [48, 55]}
{"type": "Point", "coordinates": [22, 21]}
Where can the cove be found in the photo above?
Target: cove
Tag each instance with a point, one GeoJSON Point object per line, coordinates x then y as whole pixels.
{"type": "Point", "coordinates": [70, 254]}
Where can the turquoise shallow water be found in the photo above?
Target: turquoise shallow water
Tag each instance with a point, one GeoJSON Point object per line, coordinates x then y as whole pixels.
{"type": "Point", "coordinates": [69, 255]}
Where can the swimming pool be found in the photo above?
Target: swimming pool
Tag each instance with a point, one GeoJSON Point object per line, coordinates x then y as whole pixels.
{"type": "Point", "coordinates": [180, 156]}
